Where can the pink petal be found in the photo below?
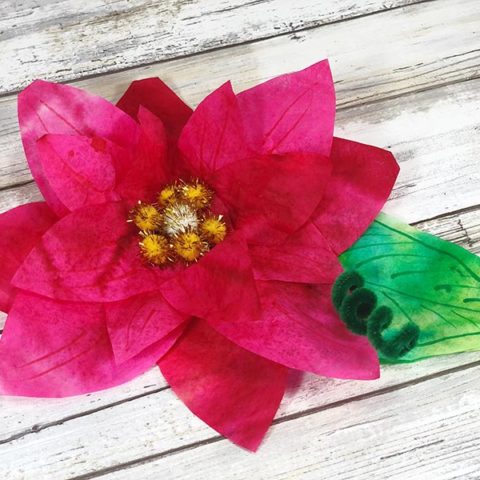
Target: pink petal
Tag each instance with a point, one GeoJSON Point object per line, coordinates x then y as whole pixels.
{"type": "Point", "coordinates": [221, 283]}
{"type": "Point", "coordinates": [234, 391]}
{"type": "Point", "coordinates": [138, 322]}
{"type": "Point", "coordinates": [91, 255]}
{"type": "Point", "coordinates": [362, 179]}
{"type": "Point", "coordinates": [304, 257]}
{"type": "Point", "coordinates": [55, 349]}
{"type": "Point", "coordinates": [276, 192]}
{"type": "Point", "coordinates": [213, 137]}
{"type": "Point", "coordinates": [20, 230]}
{"type": "Point", "coordinates": [79, 169]}
{"type": "Point", "coordinates": [143, 170]}
{"type": "Point", "coordinates": [291, 113]}
{"type": "Point", "coordinates": [45, 107]}
{"type": "Point", "coordinates": [159, 99]}
{"type": "Point", "coordinates": [299, 328]}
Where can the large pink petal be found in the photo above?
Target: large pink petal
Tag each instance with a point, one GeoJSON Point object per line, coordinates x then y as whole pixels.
{"type": "Point", "coordinates": [138, 322]}
{"type": "Point", "coordinates": [304, 256]}
{"type": "Point", "coordinates": [55, 349]}
{"type": "Point", "coordinates": [362, 179]}
{"type": "Point", "coordinates": [157, 97]}
{"type": "Point", "coordinates": [213, 136]}
{"type": "Point", "coordinates": [272, 192]}
{"type": "Point", "coordinates": [142, 171]}
{"type": "Point", "coordinates": [79, 169]}
{"type": "Point", "coordinates": [45, 107]}
{"type": "Point", "coordinates": [300, 329]}
{"type": "Point", "coordinates": [20, 230]}
{"type": "Point", "coordinates": [234, 391]}
{"type": "Point", "coordinates": [291, 113]}
{"type": "Point", "coordinates": [90, 255]}
{"type": "Point", "coordinates": [221, 283]}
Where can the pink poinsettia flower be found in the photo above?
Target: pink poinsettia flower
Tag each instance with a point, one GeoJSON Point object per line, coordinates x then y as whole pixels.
{"type": "Point", "coordinates": [87, 312]}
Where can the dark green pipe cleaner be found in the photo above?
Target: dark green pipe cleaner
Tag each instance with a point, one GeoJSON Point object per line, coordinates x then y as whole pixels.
{"type": "Point", "coordinates": [344, 285]}
{"type": "Point", "coordinates": [399, 343]}
{"type": "Point", "coordinates": [357, 307]}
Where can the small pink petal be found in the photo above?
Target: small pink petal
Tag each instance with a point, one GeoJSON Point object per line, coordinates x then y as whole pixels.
{"type": "Point", "coordinates": [221, 283]}
{"type": "Point", "coordinates": [213, 136]}
{"type": "Point", "coordinates": [159, 99]}
{"type": "Point", "coordinates": [79, 169]}
{"type": "Point", "coordinates": [91, 255]}
{"type": "Point", "coordinates": [234, 391]}
{"type": "Point", "coordinates": [138, 322]}
{"type": "Point", "coordinates": [299, 328]}
{"type": "Point", "coordinates": [304, 257]}
{"type": "Point", "coordinates": [56, 349]}
{"type": "Point", "coordinates": [362, 179]}
{"type": "Point", "coordinates": [45, 107]}
{"type": "Point", "coordinates": [291, 113]}
{"type": "Point", "coordinates": [143, 170]}
{"type": "Point", "coordinates": [20, 230]}
{"type": "Point", "coordinates": [273, 192]}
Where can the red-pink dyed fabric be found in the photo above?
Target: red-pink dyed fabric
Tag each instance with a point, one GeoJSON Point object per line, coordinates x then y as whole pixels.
{"type": "Point", "coordinates": [54, 349]}
{"type": "Point", "coordinates": [291, 113]}
{"type": "Point", "coordinates": [90, 255]}
{"type": "Point", "coordinates": [299, 328]}
{"type": "Point", "coordinates": [234, 391]}
{"type": "Point", "coordinates": [155, 96]}
{"type": "Point", "coordinates": [362, 179]}
{"type": "Point", "coordinates": [260, 192]}
{"type": "Point", "coordinates": [137, 322]}
{"type": "Point", "coordinates": [45, 107]}
{"type": "Point", "coordinates": [79, 169]}
{"type": "Point", "coordinates": [88, 313]}
{"type": "Point", "coordinates": [304, 257]}
{"type": "Point", "coordinates": [214, 135]}
{"type": "Point", "coordinates": [20, 230]}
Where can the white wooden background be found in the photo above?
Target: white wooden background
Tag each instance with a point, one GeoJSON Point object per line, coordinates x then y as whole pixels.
{"type": "Point", "coordinates": [408, 78]}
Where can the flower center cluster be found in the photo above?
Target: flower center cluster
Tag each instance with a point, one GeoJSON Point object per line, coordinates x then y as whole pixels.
{"type": "Point", "coordinates": [179, 226]}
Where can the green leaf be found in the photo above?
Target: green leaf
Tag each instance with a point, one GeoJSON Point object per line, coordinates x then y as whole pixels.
{"type": "Point", "coordinates": [422, 279]}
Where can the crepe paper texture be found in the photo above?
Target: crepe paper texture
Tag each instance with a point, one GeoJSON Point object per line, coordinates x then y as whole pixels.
{"type": "Point", "coordinates": [427, 290]}
{"type": "Point", "coordinates": [203, 241]}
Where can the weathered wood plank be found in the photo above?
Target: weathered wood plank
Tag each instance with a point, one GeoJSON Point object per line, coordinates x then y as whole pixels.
{"type": "Point", "coordinates": [65, 429]}
{"type": "Point", "coordinates": [439, 166]}
{"type": "Point", "coordinates": [428, 430]}
{"type": "Point", "coordinates": [434, 136]}
{"type": "Point", "coordinates": [65, 40]}
{"type": "Point", "coordinates": [424, 46]}
{"type": "Point", "coordinates": [462, 229]}
{"type": "Point", "coordinates": [158, 423]}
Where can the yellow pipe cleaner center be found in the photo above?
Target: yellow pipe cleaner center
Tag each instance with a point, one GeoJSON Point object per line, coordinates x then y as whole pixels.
{"type": "Point", "coordinates": [179, 226]}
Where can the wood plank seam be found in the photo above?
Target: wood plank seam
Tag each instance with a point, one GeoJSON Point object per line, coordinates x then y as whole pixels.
{"type": "Point", "coordinates": [312, 411]}
{"type": "Point", "coordinates": [340, 108]}
{"type": "Point", "coordinates": [287, 32]}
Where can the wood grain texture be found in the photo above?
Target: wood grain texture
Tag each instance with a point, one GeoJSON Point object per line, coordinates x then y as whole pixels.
{"type": "Point", "coordinates": [428, 430]}
{"type": "Point", "coordinates": [424, 46]}
{"type": "Point", "coordinates": [83, 434]}
{"type": "Point", "coordinates": [407, 79]}
{"type": "Point", "coordinates": [158, 423]}
{"type": "Point", "coordinates": [66, 39]}
{"type": "Point", "coordinates": [439, 167]}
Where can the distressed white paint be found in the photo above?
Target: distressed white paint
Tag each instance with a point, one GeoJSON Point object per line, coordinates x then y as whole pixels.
{"type": "Point", "coordinates": [439, 166]}
{"type": "Point", "coordinates": [160, 422]}
{"type": "Point", "coordinates": [426, 431]}
{"type": "Point", "coordinates": [403, 82]}
{"type": "Point", "coordinates": [67, 39]}
{"type": "Point", "coordinates": [425, 45]}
